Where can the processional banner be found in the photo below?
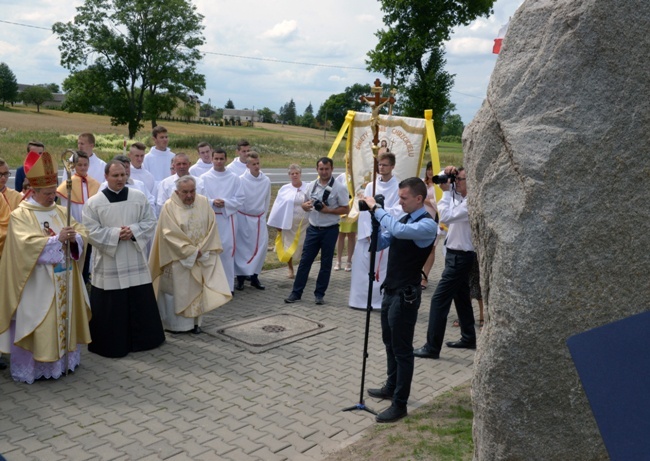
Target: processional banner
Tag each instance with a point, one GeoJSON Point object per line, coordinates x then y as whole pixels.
{"type": "Point", "coordinates": [405, 137]}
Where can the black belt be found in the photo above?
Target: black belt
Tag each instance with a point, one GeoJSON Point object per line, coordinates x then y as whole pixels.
{"type": "Point", "coordinates": [325, 227]}
{"type": "Point", "coordinates": [459, 252]}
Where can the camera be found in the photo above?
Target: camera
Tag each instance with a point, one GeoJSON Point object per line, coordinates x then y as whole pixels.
{"type": "Point", "coordinates": [363, 206]}
{"type": "Point", "coordinates": [318, 205]}
{"type": "Point", "coordinates": [442, 178]}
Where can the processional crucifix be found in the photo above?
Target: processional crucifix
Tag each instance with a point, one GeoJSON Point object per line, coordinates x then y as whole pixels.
{"type": "Point", "coordinates": [376, 102]}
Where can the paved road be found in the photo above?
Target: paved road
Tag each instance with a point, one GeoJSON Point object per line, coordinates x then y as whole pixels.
{"type": "Point", "coordinates": [201, 398]}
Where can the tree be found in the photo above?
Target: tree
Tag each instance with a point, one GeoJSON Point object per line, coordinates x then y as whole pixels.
{"type": "Point", "coordinates": [187, 112]}
{"type": "Point", "coordinates": [266, 115]}
{"type": "Point", "coordinates": [410, 50]}
{"type": "Point", "coordinates": [53, 87]}
{"type": "Point", "coordinates": [288, 113]}
{"type": "Point", "coordinates": [217, 115]}
{"type": "Point", "coordinates": [146, 52]}
{"type": "Point", "coordinates": [453, 126]}
{"type": "Point", "coordinates": [8, 84]}
{"type": "Point", "coordinates": [229, 105]}
{"type": "Point", "coordinates": [336, 107]}
{"type": "Point", "coordinates": [308, 119]}
{"type": "Point", "coordinates": [36, 95]}
{"type": "Point", "coordinates": [88, 91]}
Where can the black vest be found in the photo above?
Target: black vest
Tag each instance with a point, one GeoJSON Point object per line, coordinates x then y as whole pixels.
{"type": "Point", "coordinates": [405, 261]}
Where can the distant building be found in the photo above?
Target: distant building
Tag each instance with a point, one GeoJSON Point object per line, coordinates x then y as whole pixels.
{"type": "Point", "coordinates": [243, 116]}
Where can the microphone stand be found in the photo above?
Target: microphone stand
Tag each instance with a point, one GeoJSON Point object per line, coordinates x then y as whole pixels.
{"type": "Point", "coordinates": [374, 237]}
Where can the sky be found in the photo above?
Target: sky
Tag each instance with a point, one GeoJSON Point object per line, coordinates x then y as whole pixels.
{"type": "Point", "coordinates": [335, 34]}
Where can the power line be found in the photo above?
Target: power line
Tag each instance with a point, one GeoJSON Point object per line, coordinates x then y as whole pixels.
{"type": "Point", "coordinates": [310, 64]}
{"type": "Point", "coordinates": [283, 62]}
{"type": "Point", "coordinates": [25, 25]}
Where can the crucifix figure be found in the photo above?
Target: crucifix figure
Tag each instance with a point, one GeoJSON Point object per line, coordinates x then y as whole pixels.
{"type": "Point", "coordinates": [376, 102]}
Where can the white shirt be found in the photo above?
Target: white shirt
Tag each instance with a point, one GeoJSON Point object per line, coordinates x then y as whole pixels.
{"type": "Point", "coordinates": [452, 210]}
{"type": "Point", "coordinates": [143, 175]}
{"type": "Point", "coordinates": [167, 187]}
{"type": "Point", "coordinates": [158, 162]}
{"type": "Point", "coordinates": [200, 168]}
{"type": "Point", "coordinates": [237, 167]}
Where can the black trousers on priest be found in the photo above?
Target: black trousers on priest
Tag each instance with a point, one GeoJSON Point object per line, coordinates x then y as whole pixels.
{"type": "Point", "coordinates": [124, 321]}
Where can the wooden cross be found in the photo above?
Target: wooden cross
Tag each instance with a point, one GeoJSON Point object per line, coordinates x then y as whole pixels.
{"type": "Point", "coordinates": [376, 102]}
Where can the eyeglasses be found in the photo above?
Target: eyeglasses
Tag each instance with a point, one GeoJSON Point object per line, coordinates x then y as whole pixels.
{"type": "Point", "coordinates": [385, 165]}
{"type": "Point", "coordinates": [5, 175]}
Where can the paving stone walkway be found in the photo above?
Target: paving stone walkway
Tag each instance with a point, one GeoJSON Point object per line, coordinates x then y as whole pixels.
{"type": "Point", "coordinates": [198, 397]}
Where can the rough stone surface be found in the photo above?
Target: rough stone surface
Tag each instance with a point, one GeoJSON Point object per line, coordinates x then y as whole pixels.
{"type": "Point", "coordinates": [558, 168]}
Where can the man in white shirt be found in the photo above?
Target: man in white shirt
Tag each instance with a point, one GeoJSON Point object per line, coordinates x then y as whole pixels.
{"type": "Point", "coordinates": [252, 233]}
{"type": "Point", "coordinates": [238, 165]}
{"type": "Point", "coordinates": [160, 156]}
{"type": "Point", "coordinates": [454, 282]}
{"type": "Point", "coordinates": [86, 143]}
{"type": "Point", "coordinates": [167, 187]}
{"type": "Point", "coordinates": [388, 186]}
{"type": "Point", "coordinates": [328, 200]}
{"type": "Point", "coordinates": [136, 155]}
{"type": "Point", "coordinates": [204, 163]}
{"type": "Point", "coordinates": [224, 189]}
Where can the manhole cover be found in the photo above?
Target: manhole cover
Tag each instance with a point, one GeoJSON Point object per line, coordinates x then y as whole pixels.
{"type": "Point", "coordinates": [264, 333]}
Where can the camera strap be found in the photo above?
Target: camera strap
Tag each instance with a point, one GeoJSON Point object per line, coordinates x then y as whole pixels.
{"type": "Point", "coordinates": [327, 192]}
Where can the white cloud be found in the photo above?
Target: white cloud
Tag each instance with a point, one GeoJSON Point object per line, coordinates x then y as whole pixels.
{"type": "Point", "coordinates": [336, 33]}
{"type": "Point", "coordinates": [469, 46]}
{"type": "Point", "coordinates": [284, 31]}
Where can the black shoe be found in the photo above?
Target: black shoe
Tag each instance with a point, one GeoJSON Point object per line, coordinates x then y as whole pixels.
{"type": "Point", "coordinates": [197, 330]}
{"type": "Point", "coordinates": [392, 414]}
{"type": "Point", "coordinates": [319, 300]}
{"type": "Point", "coordinates": [239, 284]}
{"type": "Point", "coordinates": [461, 345]}
{"type": "Point", "coordinates": [291, 299]}
{"type": "Point", "coordinates": [3, 365]}
{"type": "Point", "coordinates": [382, 393]}
{"type": "Point", "coordinates": [255, 282]}
{"type": "Point", "coordinates": [425, 352]}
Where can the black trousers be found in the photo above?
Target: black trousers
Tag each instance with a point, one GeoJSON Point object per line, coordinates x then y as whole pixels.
{"type": "Point", "coordinates": [453, 286]}
{"type": "Point", "coordinates": [398, 318]}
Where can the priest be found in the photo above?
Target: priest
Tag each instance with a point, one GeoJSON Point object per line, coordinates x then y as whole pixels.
{"type": "Point", "coordinates": [187, 274]}
{"type": "Point", "coordinates": [120, 224]}
{"type": "Point", "coordinates": [44, 308]}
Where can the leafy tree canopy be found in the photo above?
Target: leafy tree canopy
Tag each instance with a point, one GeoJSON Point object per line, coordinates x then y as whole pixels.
{"type": "Point", "coordinates": [288, 112]}
{"type": "Point", "coordinates": [266, 115]}
{"type": "Point", "coordinates": [8, 84]}
{"type": "Point", "coordinates": [410, 50]}
{"type": "Point", "coordinates": [141, 48]}
{"type": "Point", "coordinates": [229, 105]}
{"type": "Point", "coordinates": [36, 95]}
{"type": "Point", "coordinates": [335, 108]}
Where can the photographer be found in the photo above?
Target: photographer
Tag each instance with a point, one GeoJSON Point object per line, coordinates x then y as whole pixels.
{"type": "Point", "coordinates": [327, 201]}
{"type": "Point", "coordinates": [411, 239]}
{"type": "Point", "coordinates": [454, 282]}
